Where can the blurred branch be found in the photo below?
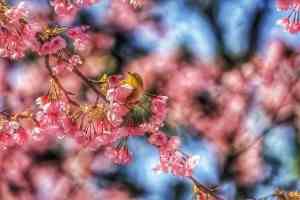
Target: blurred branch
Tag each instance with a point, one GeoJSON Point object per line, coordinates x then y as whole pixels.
{"type": "Point", "coordinates": [274, 118]}
{"type": "Point", "coordinates": [229, 60]}
{"type": "Point", "coordinates": [260, 137]}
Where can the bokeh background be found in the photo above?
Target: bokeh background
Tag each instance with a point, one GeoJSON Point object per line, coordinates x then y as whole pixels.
{"type": "Point", "coordinates": [211, 57]}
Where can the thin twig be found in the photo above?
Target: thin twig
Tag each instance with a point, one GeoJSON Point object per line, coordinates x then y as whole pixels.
{"type": "Point", "coordinates": [88, 83]}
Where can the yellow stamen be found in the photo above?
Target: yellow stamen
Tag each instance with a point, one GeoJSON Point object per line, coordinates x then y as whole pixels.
{"type": "Point", "coordinates": [50, 32]}
{"type": "Point", "coordinates": [285, 195]}
{"type": "Point", "coordinates": [54, 93]}
{"type": "Point", "coordinates": [93, 112]}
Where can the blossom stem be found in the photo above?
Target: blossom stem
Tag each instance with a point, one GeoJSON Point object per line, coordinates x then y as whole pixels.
{"type": "Point", "coordinates": [66, 93]}
{"type": "Point", "coordinates": [204, 188]}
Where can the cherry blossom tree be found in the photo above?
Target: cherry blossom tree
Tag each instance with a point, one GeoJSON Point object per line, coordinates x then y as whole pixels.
{"type": "Point", "coordinates": [72, 95]}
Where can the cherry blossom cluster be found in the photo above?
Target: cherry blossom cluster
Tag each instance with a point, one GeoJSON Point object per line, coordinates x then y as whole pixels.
{"type": "Point", "coordinates": [19, 35]}
{"type": "Point", "coordinates": [171, 159]}
{"type": "Point", "coordinates": [121, 110]}
{"type": "Point", "coordinates": [11, 133]}
{"type": "Point", "coordinates": [67, 179]}
{"type": "Point", "coordinates": [207, 98]}
{"type": "Point", "coordinates": [125, 112]}
{"type": "Point", "coordinates": [290, 23]}
{"type": "Point", "coordinates": [52, 41]}
{"type": "Point", "coordinates": [16, 33]}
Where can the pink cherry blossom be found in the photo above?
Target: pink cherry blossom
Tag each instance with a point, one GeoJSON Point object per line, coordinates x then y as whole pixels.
{"type": "Point", "coordinates": [158, 139]}
{"type": "Point", "coordinates": [119, 155]}
{"type": "Point", "coordinates": [284, 4]}
{"type": "Point", "coordinates": [176, 163]}
{"type": "Point", "coordinates": [5, 140]}
{"type": "Point", "coordinates": [53, 46]}
{"type": "Point", "coordinates": [116, 113]}
{"type": "Point", "coordinates": [75, 60]}
{"type": "Point", "coordinates": [120, 94]}
{"type": "Point", "coordinates": [81, 39]}
{"type": "Point", "coordinates": [85, 3]}
{"type": "Point", "coordinates": [290, 23]}
{"type": "Point", "coordinates": [159, 110]}
{"type": "Point", "coordinates": [63, 8]}
{"type": "Point", "coordinates": [21, 136]}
